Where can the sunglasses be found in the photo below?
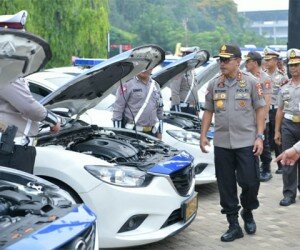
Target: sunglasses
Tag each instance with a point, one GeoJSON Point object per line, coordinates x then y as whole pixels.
{"type": "Point", "coordinates": [225, 60]}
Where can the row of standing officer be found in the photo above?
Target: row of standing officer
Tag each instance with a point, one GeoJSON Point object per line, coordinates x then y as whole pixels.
{"type": "Point", "coordinates": [253, 65]}
{"type": "Point", "coordinates": [278, 79]}
{"type": "Point", "coordinates": [287, 126]}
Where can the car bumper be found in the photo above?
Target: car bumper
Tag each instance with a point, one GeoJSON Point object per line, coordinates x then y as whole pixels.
{"type": "Point", "coordinates": [158, 201]}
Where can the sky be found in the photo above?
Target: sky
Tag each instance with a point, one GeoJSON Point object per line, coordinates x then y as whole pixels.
{"type": "Point", "coordinates": [251, 5]}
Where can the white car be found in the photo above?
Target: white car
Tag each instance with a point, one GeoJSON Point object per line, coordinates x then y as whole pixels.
{"type": "Point", "coordinates": [141, 189]}
{"type": "Point", "coordinates": [180, 130]}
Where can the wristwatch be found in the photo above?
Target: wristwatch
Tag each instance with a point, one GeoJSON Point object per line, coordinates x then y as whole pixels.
{"type": "Point", "coordinates": [260, 136]}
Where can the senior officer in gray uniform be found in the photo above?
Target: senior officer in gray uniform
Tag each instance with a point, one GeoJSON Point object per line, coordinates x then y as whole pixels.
{"type": "Point", "coordinates": [253, 65]}
{"type": "Point", "coordinates": [139, 105]}
{"type": "Point", "coordinates": [278, 79]}
{"type": "Point", "coordinates": [184, 97]}
{"type": "Point", "coordinates": [18, 109]}
{"type": "Point", "coordinates": [237, 100]}
{"type": "Point", "coordinates": [287, 129]}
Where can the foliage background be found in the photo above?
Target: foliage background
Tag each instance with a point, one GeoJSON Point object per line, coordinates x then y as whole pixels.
{"type": "Point", "coordinates": [71, 27]}
{"type": "Point", "coordinates": [204, 23]}
{"type": "Point", "coordinates": [81, 27]}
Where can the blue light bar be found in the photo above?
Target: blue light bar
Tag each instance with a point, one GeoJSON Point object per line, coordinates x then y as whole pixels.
{"type": "Point", "coordinates": [90, 62]}
{"type": "Point", "coordinates": [87, 62]}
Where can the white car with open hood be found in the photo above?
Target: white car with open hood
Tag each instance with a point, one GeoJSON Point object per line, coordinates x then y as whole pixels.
{"type": "Point", "coordinates": [180, 130]}
{"type": "Point", "coordinates": [141, 189]}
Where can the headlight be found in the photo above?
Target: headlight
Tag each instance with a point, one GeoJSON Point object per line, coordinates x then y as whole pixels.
{"type": "Point", "coordinates": [120, 175]}
{"type": "Point", "coordinates": [185, 136]}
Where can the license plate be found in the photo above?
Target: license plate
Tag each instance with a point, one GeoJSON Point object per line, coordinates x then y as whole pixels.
{"type": "Point", "coordinates": [189, 207]}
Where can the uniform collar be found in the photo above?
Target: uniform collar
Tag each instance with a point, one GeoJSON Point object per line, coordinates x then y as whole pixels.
{"type": "Point", "coordinates": [139, 80]}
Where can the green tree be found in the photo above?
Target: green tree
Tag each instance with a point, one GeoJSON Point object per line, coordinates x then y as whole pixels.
{"type": "Point", "coordinates": [77, 28]}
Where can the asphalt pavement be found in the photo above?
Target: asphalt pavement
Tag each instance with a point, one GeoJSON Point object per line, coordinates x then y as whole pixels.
{"type": "Point", "coordinates": [277, 227]}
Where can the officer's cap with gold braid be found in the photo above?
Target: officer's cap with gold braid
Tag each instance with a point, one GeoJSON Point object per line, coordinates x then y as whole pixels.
{"type": "Point", "coordinates": [229, 51]}
{"type": "Point", "coordinates": [269, 54]}
{"type": "Point", "coordinates": [293, 56]}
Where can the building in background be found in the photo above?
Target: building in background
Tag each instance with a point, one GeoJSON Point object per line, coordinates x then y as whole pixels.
{"type": "Point", "coordinates": [272, 24]}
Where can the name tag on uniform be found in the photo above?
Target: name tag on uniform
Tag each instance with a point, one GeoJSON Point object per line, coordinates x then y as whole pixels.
{"type": "Point", "coordinates": [137, 90]}
{"type": "Point", "coordinates": [220, 96]}
{"type": "Point", "coordinates": [242, 96]}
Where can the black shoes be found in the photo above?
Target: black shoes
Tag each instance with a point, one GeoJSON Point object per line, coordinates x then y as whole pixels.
{"type": "Point", "coordinates": [286, 201]}
{"type": "Point", "coordinates": [279, 171]}
{"type": "Point", "coordinates": [250, 225]}
{"type": "Point", "coordinates": [265, 176]}
{"type": "Point", "coordinates": [234, 232]}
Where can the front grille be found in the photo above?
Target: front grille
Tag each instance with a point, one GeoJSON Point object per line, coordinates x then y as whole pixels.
{"type": "Point", "coordinates": [86, 240]}
{"type": "Point", "coordinates": [175, 217]}
{"type": "Point", "coordinates": [183, 179]}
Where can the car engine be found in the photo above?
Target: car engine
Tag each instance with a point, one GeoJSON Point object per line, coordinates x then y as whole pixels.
{"type": "Point", "coordinates": [27, 205]}
{"type": "Point", "coordinates": [118, 146]}
{"type": "Point", "coordinates": [184, 121]}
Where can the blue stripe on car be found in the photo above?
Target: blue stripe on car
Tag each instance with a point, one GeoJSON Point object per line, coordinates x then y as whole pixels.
{"type": "Point", "coordinates": [176, 163]}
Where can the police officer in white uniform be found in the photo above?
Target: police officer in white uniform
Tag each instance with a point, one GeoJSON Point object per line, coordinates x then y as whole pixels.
{"type": "Point", "coordinates": [139, 105]}
{"type": "Point", "coordinates": [287, 129]}
{"type": "Point", "coordinates": [278, 79]}
{"type": "Point", "coordinates": [18, 108]}
{"type": "Point", "coordinates": [236, 99]}
{"type": "Point", "coordinates": [253, 65]}
{"type": "Point", "coordinates": [184, 97]}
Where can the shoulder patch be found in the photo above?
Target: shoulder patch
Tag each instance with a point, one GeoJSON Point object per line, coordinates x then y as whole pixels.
{"type": "Point", "coordinates": [259, 89]}
{"type": "Point", "coordinates": [268, 84]}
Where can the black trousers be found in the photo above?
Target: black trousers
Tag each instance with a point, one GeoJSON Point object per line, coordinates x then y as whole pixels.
{"type": "Point", "coordinates": [290, 133]}
{"type": "Point", "coordinates": [266, 157]}
{"type": "Point", "coordinates": [237, 166]}
{"type": "Point", "coordinates": [189, 110]}
{"type": "Point", "coordinates": [22, 158]}
{"type": "Point", "coordinates": [273, 145]}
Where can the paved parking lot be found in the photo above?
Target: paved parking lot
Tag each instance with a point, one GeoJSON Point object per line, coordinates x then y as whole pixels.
{"type": "Point", "coordinates": [278, 227]}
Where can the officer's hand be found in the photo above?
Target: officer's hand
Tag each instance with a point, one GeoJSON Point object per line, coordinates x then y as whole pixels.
{"type": "Point", "coordinates": [288, 157]}
{"type": "Point", "coordinates": [55, 129]}
{"type": "Point", "coordinates": [277, 138]}
{"type": "Point", "coordinates": [204, 142]}
{"type": "Point", "coordinates": [258, 147]}
{"type": "Point", "coordinates": [159, 136]}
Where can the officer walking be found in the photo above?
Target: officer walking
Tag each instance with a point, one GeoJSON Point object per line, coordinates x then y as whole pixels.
{"type": "Point", "coordinates": [184, 97]}
{"type": "Point", "coordinates": [287, 129]}
{"type": "Point", "coordinates": [278, 79]}
{"type": "Point", "coordinates": [253, 65]}
{"type": "Point", "coordinates": [237, 100]}
{"type": "Point", "coordinates": [19, 110]}
{"type": "Point", "coordinates": [139, 105]}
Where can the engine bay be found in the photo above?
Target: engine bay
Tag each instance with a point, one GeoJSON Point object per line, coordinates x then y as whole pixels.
{"type": "Point", "coordinates": [118, 146]}
{"type": "Point", "coordinates": [26, 206]}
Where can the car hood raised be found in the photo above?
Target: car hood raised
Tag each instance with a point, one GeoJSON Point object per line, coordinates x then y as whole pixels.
{"type": "Point", "coordinates": [180, 66]}
{"type": "Point", "coordinates": [21, 54]}
{"type": "Point", "coordinates": [86, 90]}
